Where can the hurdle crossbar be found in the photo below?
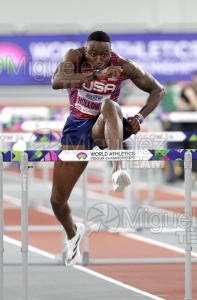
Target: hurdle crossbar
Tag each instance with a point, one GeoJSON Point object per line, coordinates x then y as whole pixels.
{"type": "Point", "coordinates": [95, 155]}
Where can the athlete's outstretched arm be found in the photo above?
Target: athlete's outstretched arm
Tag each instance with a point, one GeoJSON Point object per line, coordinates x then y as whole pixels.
{"type": "Point", "coordinates": [69, 73]}
{"type": "Point", "coordinates": [146, 83]}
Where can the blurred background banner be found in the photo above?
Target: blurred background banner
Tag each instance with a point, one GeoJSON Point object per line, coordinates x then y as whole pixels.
{"type": "Point", "coordinates": [32, 59]}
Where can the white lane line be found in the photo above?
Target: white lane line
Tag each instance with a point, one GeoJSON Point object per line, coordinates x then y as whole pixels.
{"type": "Point", "coordinates": [126, 286]}
{"type": "Point", "coordinates": [44, 210]}
{"type": "Point", "coordinates": [12, 200]}
{"type": "Point", "coordinates": [176, 190]}
{"type": "Point", "coordinates": [81, 268]}
{"type": "Point", "coordinates": [156, 243]}
{"type": "Point", "coordinates": [31, 248]}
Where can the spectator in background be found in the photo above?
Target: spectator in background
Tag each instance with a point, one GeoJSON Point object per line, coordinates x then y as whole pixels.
{"type": "Point", "coordinates": [188, 102]}
{"type": "Point", "coordinates": [169, 104]}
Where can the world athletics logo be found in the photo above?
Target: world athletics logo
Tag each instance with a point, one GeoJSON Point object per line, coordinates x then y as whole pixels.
{"type": "Point", "coordinates": [12, 59]}
{"type": "Point", "coordinates": [81, 156]}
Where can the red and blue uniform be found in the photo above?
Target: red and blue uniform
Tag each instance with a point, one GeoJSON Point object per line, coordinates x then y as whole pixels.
{"type": "Point", "coordinates": [85, 106]}
{"type": "Point", "coordinates": [85, 102]}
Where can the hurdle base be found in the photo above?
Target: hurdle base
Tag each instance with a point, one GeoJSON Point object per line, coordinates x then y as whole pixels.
{"type": "Point", "coordinates": [85, 258]}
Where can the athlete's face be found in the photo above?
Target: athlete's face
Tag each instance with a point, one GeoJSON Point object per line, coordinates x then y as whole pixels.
{"type": "Point", "coordinates": [98, 54]}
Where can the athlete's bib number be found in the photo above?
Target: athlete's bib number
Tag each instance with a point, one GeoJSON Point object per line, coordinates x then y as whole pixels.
{"type": "Point", "coordinates": [89, 103]}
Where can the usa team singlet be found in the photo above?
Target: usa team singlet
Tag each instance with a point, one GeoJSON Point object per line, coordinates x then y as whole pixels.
{"type": "Point", "coordinates": [85, 102]}
{"type": "Point", "coordinates": [85, 107]}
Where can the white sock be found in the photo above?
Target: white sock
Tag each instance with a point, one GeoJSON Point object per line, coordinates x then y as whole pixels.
{"type": "Point", "coordinates": [120, 180]}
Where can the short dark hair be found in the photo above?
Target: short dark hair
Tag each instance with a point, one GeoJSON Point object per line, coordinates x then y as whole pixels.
{"type": "Point", "coordinates": [99, 36]}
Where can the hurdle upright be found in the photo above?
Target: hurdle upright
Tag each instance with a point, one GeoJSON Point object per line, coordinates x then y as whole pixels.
{"type": "Point", "coordinates": [188, 229]}
{"type": "Point", "coordinates": [1, 227]}
{"type": "Point", "coordinates": [24, 223]}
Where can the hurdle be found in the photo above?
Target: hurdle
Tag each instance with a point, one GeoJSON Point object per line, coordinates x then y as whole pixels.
{"type": "Point", "coordinates": [24, 157]}
{"type": "Point", "coordinates": [161, 138]}
{"type": "Point", "coordinates": [166, 155]}
{"type": "Point", "coordinates": [48, 138]}
{"type": "Point", "coordinates": [1, 227]}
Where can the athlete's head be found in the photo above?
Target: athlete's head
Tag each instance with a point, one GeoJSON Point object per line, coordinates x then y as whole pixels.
{"type": "Point", "coordinates": [98, 49]}
{"type": "Point", "coordinates": [99, 36]}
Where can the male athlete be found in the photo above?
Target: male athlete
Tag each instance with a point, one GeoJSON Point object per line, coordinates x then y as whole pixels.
{"type": "Point", "coordinates": [93, 75]}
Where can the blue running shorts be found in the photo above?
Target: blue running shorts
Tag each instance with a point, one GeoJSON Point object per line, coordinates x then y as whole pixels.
{"type": "Point", "coordinates": [79, 132]}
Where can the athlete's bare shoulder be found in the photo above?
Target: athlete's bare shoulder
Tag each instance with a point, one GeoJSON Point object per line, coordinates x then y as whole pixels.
{"type": "Point", "coordinates": [73, 60]}
{"type": "Point", "coordinates": [142, 79]}
{"type": "Point", "coordinates": [130, 69]}
{"type": "Point", "coordinates": [75, 55]}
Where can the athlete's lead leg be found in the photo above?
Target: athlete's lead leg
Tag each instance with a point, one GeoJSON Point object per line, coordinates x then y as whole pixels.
{"type": "Point", "coordinates": [108, 130]}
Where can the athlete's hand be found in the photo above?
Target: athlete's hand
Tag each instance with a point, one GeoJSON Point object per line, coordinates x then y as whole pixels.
{"type": "Point", "coordinates": [133, 126]}
{"type": "Point", "coordinates": [112, 72]}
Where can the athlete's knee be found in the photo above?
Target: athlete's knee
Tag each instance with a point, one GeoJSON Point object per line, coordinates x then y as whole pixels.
{"type": "Point", "coordinates": [110, 108]}
{"type": "Point", "coordinates": [57, 199]}
{"type": "Point", "coordinates": [107, 105]}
